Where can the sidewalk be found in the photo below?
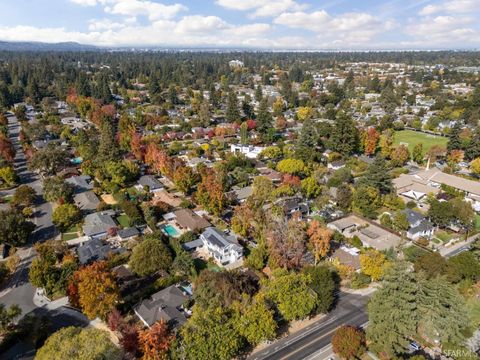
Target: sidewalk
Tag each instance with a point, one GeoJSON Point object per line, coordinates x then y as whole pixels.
{"type": "Point", "coordinates": [458, 247]}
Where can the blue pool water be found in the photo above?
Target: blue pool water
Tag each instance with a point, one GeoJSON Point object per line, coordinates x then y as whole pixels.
{"type": "Point", "coordinates": [171, 230]}
{"type": "Point", "coordinates": [77, 161]}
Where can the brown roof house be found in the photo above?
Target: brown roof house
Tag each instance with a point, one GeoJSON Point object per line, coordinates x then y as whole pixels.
{"type": "Point", "coordinates": [187, 219]}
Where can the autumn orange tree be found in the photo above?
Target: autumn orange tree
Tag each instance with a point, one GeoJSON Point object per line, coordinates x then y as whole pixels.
{"type": "Point", "coordinates": [210, 193]}
{"type": "Point", "coordinates": [7, 152]}
{"type": "Point", "coordinates": [94, 290]}
{"type": "Point", "coordinates": [370, 140]}
{"type": "Point", "coordinates": [320, 238]}
{"type": "Point", "coordinates": [348, 342]}
{"type": "Point", "coordinates": [155, 342]}
{"type": "Point", "coordinates": [185, 178]}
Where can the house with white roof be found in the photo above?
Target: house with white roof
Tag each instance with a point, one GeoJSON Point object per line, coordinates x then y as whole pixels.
{"type": "Point", "coordinates": [224, 249]}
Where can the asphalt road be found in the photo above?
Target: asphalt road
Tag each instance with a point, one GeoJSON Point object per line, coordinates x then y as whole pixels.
{"type": "Point", "coordinates": [19, 291]}
{"type": "Point", "coordinates": [350, 309]}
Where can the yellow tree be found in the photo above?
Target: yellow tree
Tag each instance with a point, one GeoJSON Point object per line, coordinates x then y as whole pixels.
{"type": "Point", "coordinates": [475, 166]}
{"type": "Point", "coordinates": [94, 289]}
{"type": "Point", "coordinates": [320, 238]}
{"type": "Point", "coordinates": [373, 264]}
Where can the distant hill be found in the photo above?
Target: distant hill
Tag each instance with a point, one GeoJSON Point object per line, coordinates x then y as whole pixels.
{"type": "Point", "coordinates": [41, 46]}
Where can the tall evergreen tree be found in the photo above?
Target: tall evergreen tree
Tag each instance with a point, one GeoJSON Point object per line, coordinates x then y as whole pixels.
{"type": "Point", "coordinates": [233, 114]}
{"type": "Point", "coordinates": [107, 149]}
{"type": "Point", "coordinates": [264, 119]}
{"type": "Point", "coordinates": [345, 135]}
{"type": "Point", "coordinates": [473, 150]}
{"type": "Point", "coordinates": [378, 176]}
{"type": "Point", "coordinates": [392, 312]}
{"type": "Point", "coordinates": [307, 141]}
{"type": "Point", "coordinates": [82, 85]}
{"type": "Point", "coordinates": [454, 142]}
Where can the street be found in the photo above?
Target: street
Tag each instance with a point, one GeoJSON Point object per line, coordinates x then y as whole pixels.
{"type": "Point", "coordinates": [312, 340]}
{"type": "Point", "coordinates": [19, 291]}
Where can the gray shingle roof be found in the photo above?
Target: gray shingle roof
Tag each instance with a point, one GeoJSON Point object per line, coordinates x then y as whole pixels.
{"type": "Point", "coordinates": [165, 305]}
{"type": "Point", "coordinates": [98, 223]}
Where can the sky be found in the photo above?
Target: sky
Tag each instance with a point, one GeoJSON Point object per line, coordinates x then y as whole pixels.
{"type": "Point", "coordinates": [257, 24]}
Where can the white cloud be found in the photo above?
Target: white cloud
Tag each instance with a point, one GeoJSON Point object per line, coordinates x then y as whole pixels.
{"type": "Point", "coordinates": [90, 2]}
{"type": "Point", "coordinates": [103, 24]}
{"type": "Point", "coordinates": [200, 24]}
{"type": "Point", "coordinates": [262, 8]}
{"type": "Point", "coordinates": [451, 6]}
{"type": "Point", "coordinates": [442, 30]}
{"type": "Point", "coordinates": [188, 31]}
{"type": "Point", "coordinates": [154, 10]}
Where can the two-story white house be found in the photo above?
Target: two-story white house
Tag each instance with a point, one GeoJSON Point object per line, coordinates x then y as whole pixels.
{"type": "Point", "coordinates": [419, 226]}
{"type": "Point", "coordinates": [224, 249]}
{"type": "Point", "coordinates": [251, 152]}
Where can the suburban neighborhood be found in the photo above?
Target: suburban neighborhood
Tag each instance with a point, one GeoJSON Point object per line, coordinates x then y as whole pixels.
{"type": "Point", "coordinates": [239, 205]}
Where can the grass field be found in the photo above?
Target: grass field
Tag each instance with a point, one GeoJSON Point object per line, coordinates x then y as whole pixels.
{"type": "Point", "coordinates": [412, 138]}
{"type": "Point", "coordinates": [124, 221]}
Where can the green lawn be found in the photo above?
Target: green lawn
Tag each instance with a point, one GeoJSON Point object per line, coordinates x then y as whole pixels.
{"type": "Point", "coordinates": [477, 222]}
{"type": "Point", "coordinates": [124, 220]}
{"type": "Point", "coordinates": [444, 236]}
{"type": "Point", "coordinates": [69, 236]}
{"type": "Point", "coordinates": [412, 138]}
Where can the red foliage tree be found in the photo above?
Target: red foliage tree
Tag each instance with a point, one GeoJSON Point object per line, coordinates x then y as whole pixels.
{"type": "Point", "coordinates": [115, 320]}
{"type": "Point", "coordinates": [291, 180]}
{"type": "Point", "coordinates": [136, 144]}
{"type": "Point", "coordinates": [155, 342]}
{"type": "Point", "coordinates": [7, 152]}
{"type": "Point", "coordinates": [348, 342]}
{"type": "Point", "coordinates": [130, 339]}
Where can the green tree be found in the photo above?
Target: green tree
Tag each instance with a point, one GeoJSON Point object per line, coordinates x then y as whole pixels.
{"type": "Point", "coordinates": [378, 176]}
{"type": "Point", "coordinates": [24, 196]}
{"type": "Point", "coordinates": [448, 318]}
{"type": "Point", "coordinates": [210, 334]}
{"type": "Point", "coordinates": [417, 153]}
{"type": "Point", "coordinates": [254, 320]}
{"type": "Point", "coordinates": [50, 160]}
{"type": "Point", "coordinates": [65, 216]}
{"type": "Point", "coordinates": [311, 188]}
{"type": "Point", "coordinates": [14, 228]}
{"type": "Point", "coordinates": [291, 166]}
{"type": "Point", "coordinates": [392, 312]}
{"type": "Point", "coordinates": [440, 213]}
{"type": "Point", "coordinates": [264, 119]}
{"type": "Point", "coordinates": [56, 189]}
{"type": "Point", "coordinates": [463, 266]}
{"type": "Point", "coordinates": [431, 264]}
{"type": "Point", "coordinates": [454, 141]}
{"type": "Point", "coordinates": [8, 176]}
{"type": "Point", "coordinates": [400, 221]}
{"type": "Point", "coordinates": [306, 147]}
{"type": "Point", "coordinates": [322, 281]}
{"type": "Point", "coordinates": [402, 307]}
{"type": "Point", "coordinates": [344, 197]}
{"type": "Point", "coordinates": [150, 256]}
{"type": "Point", "coordinates": [78, 344]}
{"type": "Point", "coordinates": [8, 316]}
{"type": "Point", "coordinates": [366, 201]}
{"type": "Point", "coordinates": [233, 113]}
{"type": "Point", "coordinates": [292, 295]}
{"type": "Point", "coordinates": [345, 135]}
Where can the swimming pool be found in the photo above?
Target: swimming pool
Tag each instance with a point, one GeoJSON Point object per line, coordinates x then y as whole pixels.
{"type": "Point", "coordinates": [76, 161]}
{"type": "Point", "coordinates": [171, 230]}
